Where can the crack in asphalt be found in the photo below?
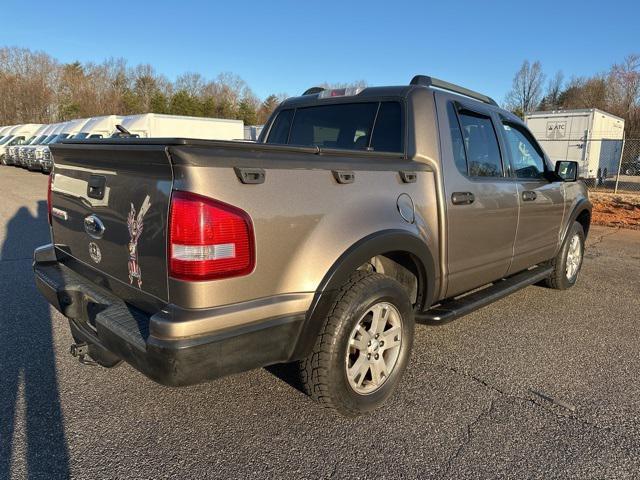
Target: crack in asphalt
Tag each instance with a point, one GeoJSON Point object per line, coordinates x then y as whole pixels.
{"type": "Point", "coordinates": [515, 399]}
{"type": "Point", "coordinates": [535, 401]}
{"type": "Point", "coordinates": [601, 238]}
{"type": "Point", "coordinates": [467, 439]}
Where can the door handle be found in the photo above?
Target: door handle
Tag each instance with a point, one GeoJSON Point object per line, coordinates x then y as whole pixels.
{"type": "Point", "coordinates": [462, 198]}
{"type": "Point", "coordinates": [529, 196]}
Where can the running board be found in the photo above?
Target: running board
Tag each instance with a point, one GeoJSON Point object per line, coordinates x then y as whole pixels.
{"type": "Point", "coordinates": [458, 307]}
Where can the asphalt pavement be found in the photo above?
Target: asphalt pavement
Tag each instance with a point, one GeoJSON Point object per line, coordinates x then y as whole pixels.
{"type": "Point", "coordinates": [542, 384]}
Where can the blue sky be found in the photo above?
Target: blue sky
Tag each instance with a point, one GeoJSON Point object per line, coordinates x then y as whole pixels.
{"type": "Point", "coordinates": [287, 46]}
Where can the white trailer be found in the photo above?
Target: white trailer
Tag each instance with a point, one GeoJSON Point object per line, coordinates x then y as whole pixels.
{"type": "Point", "coordinates": [68, 130]}
{"type": "Point", "coordinates": [591, 137]}
{"type": "Point", "coordinates": [99, 127]}
{"type": "Point", "coordinates": [155, 125]}
{"type": "Point", "coordinates": [252, 132]}
{"type": "Point", "coordinates": [17, 136]}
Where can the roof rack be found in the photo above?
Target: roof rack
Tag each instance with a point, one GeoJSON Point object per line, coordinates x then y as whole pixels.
{"type": "Point", "coordinates": [427, 81]}
{"type": "Point", "coordinates": [312, 90]}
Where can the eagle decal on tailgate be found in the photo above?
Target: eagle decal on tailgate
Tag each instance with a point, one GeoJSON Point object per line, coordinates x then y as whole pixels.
{"type": "Point", "coordinates": [135, 225]}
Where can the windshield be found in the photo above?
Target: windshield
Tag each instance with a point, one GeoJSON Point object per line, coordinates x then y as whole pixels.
{"type": "Point", "coordinates": [80, 135]}
{"type": "Point", "coordinates": [55, 138]}
{"type": "Point", "coordinates": [6, 139]}
{"type": "Point", "coordinates": [38, 140]}
{"type": "Point", "coordinates": [371, 126]}
{"type": "Point", "coordinates": [47, 139]}
{"type": "Point", "coordinates": [29, 140]}
{"type": "Point", "coordinates": [59, 138]}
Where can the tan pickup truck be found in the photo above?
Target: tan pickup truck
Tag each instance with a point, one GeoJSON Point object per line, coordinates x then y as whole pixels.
{"type": "Point", "coordinates": [356, 213]}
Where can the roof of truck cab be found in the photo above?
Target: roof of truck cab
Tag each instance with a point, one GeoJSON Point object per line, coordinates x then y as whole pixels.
{"type": "Point", "coordinates": [369, 92]}
{"type": "Point", "coordinates": [27, 127]}
{"type": "Point", "coordinates": [377, 93]}
{"type": "Point", "coordinates": [43, 128]}
{"type": "Point", "coordinates": [101, 122]}
{"type": "Point", "coordinates": [73, 126]}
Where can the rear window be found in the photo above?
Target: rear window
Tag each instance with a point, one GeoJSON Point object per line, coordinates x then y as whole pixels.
{"type": "Point", "coordinates": [375, 126]}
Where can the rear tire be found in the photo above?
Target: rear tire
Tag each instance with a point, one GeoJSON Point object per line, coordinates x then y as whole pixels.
{"type": "Point", "coordinates": [567, 264]}
{"type": "Point", "coordinates": [350, 369]}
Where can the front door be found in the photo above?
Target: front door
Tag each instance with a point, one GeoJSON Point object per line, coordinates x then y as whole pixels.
{"type": "Point", "coordinates": [481, 201]}
{"type": "Point", "coordinates": [541, 201]}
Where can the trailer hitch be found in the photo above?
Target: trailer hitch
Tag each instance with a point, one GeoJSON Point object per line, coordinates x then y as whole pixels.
{"type": "Point", "coordinates": [81, 352]}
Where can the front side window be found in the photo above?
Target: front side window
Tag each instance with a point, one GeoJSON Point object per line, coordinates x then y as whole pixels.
{"type": "Point", "coordinates": [527, 160]}
{"type": "Point", "coordinates": [375, 126]}
{"type": "Point", "coordinates": [481, 145]}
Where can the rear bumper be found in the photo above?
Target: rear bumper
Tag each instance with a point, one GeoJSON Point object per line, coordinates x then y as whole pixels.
{"type": "Point", "coordinates": [97, 317]}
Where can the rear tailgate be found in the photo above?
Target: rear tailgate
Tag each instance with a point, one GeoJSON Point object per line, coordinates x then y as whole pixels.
{"type": "Point", "coordinates": [110, 206]}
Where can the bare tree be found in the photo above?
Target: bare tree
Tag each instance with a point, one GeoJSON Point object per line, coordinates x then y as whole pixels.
{"type": "Point", "coordinates": [585, 93]}
{"type": "Point", "coordinates": [526, 91]}
{"type": "Point", "coordinates": [624, 91]}
{"type": "Point", "coordinates": [551, 99]}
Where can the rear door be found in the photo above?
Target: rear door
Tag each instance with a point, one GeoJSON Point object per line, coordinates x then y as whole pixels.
{"type": "Point", "coordinates": [481, 201]}
{"type": "Point", "coordinates": [541, 201]}
{"type": "Point", "coordinates": [109, 216]}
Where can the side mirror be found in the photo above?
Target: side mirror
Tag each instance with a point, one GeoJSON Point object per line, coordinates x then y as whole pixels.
{"type": "Point", "coordinates": [567, 170]}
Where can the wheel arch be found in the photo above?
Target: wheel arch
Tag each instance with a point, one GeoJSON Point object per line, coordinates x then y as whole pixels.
{"type": "Point", "coordinates": [581, 213]}
{"type": "Point", "coordinates": [400, 246]}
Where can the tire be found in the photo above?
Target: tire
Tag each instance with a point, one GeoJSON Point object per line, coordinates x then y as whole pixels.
{"type": "Point", "coordinates": [564, 277]}
{"type": "Point", "coordinates": [343, 342]}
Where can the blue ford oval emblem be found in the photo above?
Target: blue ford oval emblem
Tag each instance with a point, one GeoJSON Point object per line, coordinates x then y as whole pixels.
{"type": "Point", "coordinates": [94, 226]}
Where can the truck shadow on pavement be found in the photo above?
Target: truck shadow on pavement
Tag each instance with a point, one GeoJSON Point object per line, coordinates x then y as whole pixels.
{"type": "Point", "coordinates": [30, 410]}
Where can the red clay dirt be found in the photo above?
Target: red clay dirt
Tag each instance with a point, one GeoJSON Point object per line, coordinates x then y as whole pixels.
{"type": "Point", "coordinates": [613, 210]}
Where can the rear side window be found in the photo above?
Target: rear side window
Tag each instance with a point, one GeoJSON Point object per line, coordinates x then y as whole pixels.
{"type": "Point", "coordinates": [481, 145]}
{"type": "Point", "coordinates": [280, 130]}
{"type": "Point", "coordinates": [353, 126]}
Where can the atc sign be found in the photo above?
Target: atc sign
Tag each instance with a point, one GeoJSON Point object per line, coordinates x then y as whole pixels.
{"type": "Point", "coordinates": [556, 129]}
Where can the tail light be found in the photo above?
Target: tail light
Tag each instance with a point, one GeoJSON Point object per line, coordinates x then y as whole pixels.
{"type": "Point", "coordinates": [49, 206]}
{"type": "Point", "coordinates": [208, 239]}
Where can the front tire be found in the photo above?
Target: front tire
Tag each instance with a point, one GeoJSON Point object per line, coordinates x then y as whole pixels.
{"type": "Point", "coordinates": [362, 351]}
{"type": "Point", "coordinates": [568, 262]}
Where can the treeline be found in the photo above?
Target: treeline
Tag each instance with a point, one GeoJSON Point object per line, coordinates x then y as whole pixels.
{"type": "Point", "coordinates": [35, 87]}
{"type": "Point", "coordinates": [616, 91]}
